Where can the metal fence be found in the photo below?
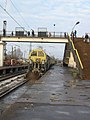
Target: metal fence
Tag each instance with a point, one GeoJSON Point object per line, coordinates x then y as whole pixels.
{"type": "Point", "coordinates": [34, 34]}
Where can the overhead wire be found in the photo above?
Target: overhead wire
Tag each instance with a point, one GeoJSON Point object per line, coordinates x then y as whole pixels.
{"type": "Point", "coordinates": [5, 3]}
{"type": "Point", "coordinates": [19, 14]}
{"type": "Point", "coordinates": [21, 17]}
{"type": "Point", "coordinates": [12, 17]}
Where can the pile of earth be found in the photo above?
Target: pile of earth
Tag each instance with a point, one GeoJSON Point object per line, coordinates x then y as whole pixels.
{"type": "Point", "coordinates": [32, 76]}
{"type": "Point", "coordinates": [83, 49]}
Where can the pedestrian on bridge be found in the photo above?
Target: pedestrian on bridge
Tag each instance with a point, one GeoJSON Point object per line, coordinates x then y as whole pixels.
{"type": "Point", "coordinates": [72, 35]}
{"type": "Point", "coordinates": [33, 33]}
{"type": "Point", "coordinates": [12, 33]}
{"type": "Point", "coordinates": [86, 38]}
{"type": "Point", "coordinates": [28, 33]}
{"type": "Point", "coordinates": [75, 33]}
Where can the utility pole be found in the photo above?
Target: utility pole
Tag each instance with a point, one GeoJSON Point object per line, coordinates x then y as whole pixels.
{"type": "Point", "coordinates": [12, 52]}
{"type": "Point", "coordinates": [54, 29]}
{"type": "Point", "coordinates": [4, 27]}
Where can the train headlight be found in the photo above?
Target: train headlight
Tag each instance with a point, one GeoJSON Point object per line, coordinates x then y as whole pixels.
{"type": "Point", "coordinates": [38, 60]}
{"type": "Point", "coordinates": [43, 62]}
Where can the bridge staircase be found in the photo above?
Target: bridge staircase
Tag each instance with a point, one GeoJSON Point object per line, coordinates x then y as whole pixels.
{"type": "Point", "coordinates": [81, 56]}
{"type": "Point", "coordinates": [84, 53]}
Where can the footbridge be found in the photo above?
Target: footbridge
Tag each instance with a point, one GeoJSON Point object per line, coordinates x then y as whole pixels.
{"type": "Point", "coordinates": [71, 55]}
{"type": "Point", "coordinates": [42, 37]}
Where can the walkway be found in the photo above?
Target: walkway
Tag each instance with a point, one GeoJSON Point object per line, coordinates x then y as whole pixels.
{"type": "Point", "coordinates": [56, 96]}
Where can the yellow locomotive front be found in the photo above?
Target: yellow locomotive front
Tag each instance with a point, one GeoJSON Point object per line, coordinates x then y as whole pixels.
{"type": "Point", "coordinates": [38, 60]}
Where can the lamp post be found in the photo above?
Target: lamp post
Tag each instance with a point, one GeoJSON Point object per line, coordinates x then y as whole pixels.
{"type": "Point", "coordinates": [75, 25]}
{"type": "Point", "coordinates": [4, 27]}
{"type": "Point", "coordinates": [54, 29]}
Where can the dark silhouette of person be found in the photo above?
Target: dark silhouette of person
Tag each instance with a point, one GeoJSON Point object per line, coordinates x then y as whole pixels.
{"type": "Point", "coordinates": [28, 33]}
{"type": "Point", "coordinates": [86, 38]}
{"type": "Point", "coordinates": [72, 35]}
{"type": "Point", "coordinates": [65, 34]}
{"type": "Point", "coordinates": [75, 33]}
{"type": "Point", "coordinates": [12, 33]}
{"type": "Point", "coordinates": [33, 33]}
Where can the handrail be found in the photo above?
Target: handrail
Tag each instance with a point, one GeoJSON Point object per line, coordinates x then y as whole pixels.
{"type": "Point", "coordinates": [76, 52]}
{"type": "Point", "coordinates": [35, 34]}
{"type": "Point", "coordinates": [79, 58]}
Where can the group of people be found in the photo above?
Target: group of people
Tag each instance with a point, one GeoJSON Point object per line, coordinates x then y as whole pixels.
{"type": "Point", "coordinates": [73, 34]}
{"type": "Point", "coordinates": [28, 33]}
{"type": "Point", "coordinates": [32, 33]}
{"type": "Point", "coordinates": [87, 39]}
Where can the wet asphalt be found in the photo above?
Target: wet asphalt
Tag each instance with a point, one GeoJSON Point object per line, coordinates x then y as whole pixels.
{"type": "Point", "coordinates": [55, 96]}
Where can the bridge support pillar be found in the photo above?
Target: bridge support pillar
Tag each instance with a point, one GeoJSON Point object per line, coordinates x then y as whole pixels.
{"type": "Point", "coordinates": [71, 63]}
{"type": "Point", "coordinates": [2, 57]}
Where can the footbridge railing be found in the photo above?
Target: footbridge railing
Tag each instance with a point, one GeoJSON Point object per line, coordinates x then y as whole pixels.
{"type": "Point", "coordinates": [76, 56]}
{"type": "Point", "coordinates": [35, 34]}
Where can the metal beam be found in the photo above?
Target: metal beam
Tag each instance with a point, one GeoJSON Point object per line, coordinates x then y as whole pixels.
{"type": "Point", "coordinates": [34, 39]}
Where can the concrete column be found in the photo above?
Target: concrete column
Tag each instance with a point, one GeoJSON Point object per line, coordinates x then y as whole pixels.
{"type": "Point", "coordinates": [72, 63]}
{"type": "Point", "coordinates": [1, 53]}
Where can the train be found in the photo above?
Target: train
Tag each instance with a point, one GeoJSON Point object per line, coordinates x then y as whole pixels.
{"type": "Point", "coordinates": [40, 61]}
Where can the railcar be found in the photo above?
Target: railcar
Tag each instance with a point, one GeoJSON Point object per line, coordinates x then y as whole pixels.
{"type": "Point", "coordinates": [13, 62]}
{"type": "Point", "coordinates": [39, 60]}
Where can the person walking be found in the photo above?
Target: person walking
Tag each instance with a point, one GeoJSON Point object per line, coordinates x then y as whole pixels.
{"type": "Point", "coordinates": [32, 33]}
{"type": "Point", "coordinates": [75, 33]}
{"type": "Point", "coordinates": [72, 35]}
{"type": "Point", "coordinates": [86, 38]}
{"type": "Point", "coordinates": [28, 33]}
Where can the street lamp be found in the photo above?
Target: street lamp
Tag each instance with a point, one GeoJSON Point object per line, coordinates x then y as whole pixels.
{"type": "Point", "coordinates": [54, 29]}
{"type": "Point", "coordinates": [75, 25]}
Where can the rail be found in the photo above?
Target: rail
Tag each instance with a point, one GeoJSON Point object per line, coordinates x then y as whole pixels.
{"type": "Point", "coordinates": [76, 56]}
{"type": "Point", "coordinates": [7, 85]}
{"type": "Point", "coordinates": [5, 72]}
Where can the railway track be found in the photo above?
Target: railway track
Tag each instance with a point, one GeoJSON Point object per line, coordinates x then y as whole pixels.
{"type": "Point", "coordinates": [11, 83]}
{"type": "Point", "coordinates": [7, 76]}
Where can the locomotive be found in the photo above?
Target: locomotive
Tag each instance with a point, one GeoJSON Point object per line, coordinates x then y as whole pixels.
{"type": "Point", "coordinates": [40, 61]}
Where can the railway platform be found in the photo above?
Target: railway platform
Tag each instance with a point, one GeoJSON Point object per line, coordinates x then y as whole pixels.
{"type": "Point", "coordinates": [7, 71]}
{"type": "Point", "coordinates": [55, 96]}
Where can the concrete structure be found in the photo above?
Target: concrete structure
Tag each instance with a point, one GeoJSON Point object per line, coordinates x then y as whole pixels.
{"type": "Point", "coordinates": [34, 39]}
{"type": "Point", "coordinates": [70, 54]}
{"type": "Point", "coordinates": [2, 57]}
{"type": "Point", "coordinates": [27, 39]}
{"type": "Point", "coordinates": [71, 63]}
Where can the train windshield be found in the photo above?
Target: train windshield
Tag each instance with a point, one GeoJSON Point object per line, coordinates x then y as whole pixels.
{"type": "Point", "coordinates": [34, 53]}
{"type": "Point", "coordinates": [40, 54]}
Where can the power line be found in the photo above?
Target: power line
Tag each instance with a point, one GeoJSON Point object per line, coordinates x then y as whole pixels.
{"type": "Point", "coordinates": [12, 17]}
{"type": "Point", "coordinates": [19, 13]}
{"type": "Point", "coordinates": [5, 4]}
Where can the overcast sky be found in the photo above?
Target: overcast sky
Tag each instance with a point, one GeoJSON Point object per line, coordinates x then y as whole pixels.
{"type": "Point", "coordinates": [45, 13]}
